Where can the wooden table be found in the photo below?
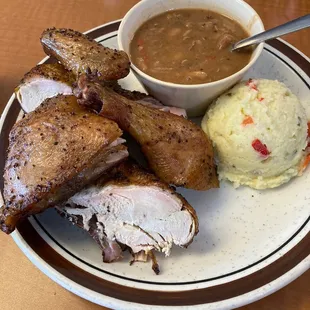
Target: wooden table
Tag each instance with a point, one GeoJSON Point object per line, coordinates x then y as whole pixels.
{"type": "Point", "coordinates": [21, 23]}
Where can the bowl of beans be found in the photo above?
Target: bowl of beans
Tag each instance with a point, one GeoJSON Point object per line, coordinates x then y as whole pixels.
{"type": "Point", "coordinates": [180, 50]}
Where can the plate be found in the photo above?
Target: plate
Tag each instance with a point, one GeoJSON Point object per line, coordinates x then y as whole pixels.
{"type": "Point", "coordinates": [251, 243]}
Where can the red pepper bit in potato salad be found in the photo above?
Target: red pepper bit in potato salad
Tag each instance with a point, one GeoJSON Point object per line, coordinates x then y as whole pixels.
{"type": "Point", "coordinates": [306, 161]}
{"type": "Point", "coordinates": [248, 120]}
{"type": "Point", "coordinates": [261, 148]}
{"type": "Point", "coordinates": [251, 83]}
{"type": "Point", "coordinates": [305, 164]}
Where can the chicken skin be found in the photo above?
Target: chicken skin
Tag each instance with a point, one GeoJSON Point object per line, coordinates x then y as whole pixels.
{"type": "Point", "coordinates": [80, 54]}
{"type": "Point", "coordinates": [177, 150]}
{"type": "Point", "coordinates": [130, 207]}
{"type": "Point", "coordinates": [53, 153]}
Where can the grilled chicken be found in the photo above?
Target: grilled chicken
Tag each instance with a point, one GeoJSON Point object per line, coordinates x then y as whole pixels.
{"type": "Point", "coordinates": [177, 150]}
{"type": "Point", "coordinates": [42, 82]}
{"type": "Point", "coordinates": [53, 153]}
{"type": "Point", "coordinates": [81, 54]}
{"type": "Point", "coordinates": [131, 207]}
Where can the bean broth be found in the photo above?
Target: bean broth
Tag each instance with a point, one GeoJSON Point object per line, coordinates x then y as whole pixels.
{"type": "Point", "coordinates": [189, 46]}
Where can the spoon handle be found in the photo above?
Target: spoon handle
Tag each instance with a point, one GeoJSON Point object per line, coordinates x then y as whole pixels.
{"type": "Point", "coordinates": [292, 26]}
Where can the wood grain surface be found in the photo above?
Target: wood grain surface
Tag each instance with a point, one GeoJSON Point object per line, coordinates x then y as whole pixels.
{"type": "Point", "coordinates": [23, 286]}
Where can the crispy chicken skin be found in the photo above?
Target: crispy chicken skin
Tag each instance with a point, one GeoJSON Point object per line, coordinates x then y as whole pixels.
{"type": "Point", "coordinates": [42, 82]}
{"type": "Point", "coordinates": [53, 153]}
{"type": "Point", "coordinates": [177, 150]}
{"type": "Point", "coordinates": [130, 207]}
{"type": "Point", "coordinates": [81, 54]}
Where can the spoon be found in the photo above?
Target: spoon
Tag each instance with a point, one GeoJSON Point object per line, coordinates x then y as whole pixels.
{"type": "Point", "coordinates": [292, 26]}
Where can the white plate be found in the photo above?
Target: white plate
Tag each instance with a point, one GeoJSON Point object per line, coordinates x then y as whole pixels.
{"type": "Point", "coordinates": [251, 243]}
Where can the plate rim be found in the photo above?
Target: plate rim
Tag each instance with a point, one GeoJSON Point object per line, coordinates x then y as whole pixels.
{"type": "Point", "coordinates": [114, 303]}
{"type": "Point", "coordinates": [297, 270]}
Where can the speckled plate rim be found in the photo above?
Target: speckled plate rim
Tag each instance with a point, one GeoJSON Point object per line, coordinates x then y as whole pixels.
{"type": "Point", "coordinates": [243, 291]}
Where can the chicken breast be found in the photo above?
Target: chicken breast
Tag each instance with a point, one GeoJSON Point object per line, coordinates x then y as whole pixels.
{"type": "Point", "coordinates": [53, 153]}
{"type": "Point", "coordinates": [81, 54]}
{"type": "Point", "coordinates": [130, 207]}
{"type": "Point", "coordinates": [177, 150]}
{"type": "Point", "coordinates": [42, 82]}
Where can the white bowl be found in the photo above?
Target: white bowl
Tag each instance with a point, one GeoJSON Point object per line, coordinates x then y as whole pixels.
{"type": "Point", "coordinates": [193, 98]}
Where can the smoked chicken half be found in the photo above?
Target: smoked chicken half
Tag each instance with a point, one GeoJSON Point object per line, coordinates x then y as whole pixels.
{"type": "Point", "coordinates": [53, 153]}
{"type": "Point", "coordinates": [177, 150]}
{"type": "Point", "coordinates": [130, 207]}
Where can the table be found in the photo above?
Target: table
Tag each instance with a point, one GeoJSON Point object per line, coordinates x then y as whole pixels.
{"type": "Point", "coordinates": [23, 286]}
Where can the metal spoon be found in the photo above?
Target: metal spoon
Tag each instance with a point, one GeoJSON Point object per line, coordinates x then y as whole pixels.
{"type": "Point", "coordinates": [292, 26]}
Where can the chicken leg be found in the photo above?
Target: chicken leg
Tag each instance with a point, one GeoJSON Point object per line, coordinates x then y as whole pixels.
{"type": "Point", "coordinates": [177, 150]}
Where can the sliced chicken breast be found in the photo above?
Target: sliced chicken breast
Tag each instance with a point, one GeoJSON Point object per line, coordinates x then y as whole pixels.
{"type": "Point", "coordinates": [131, 207]}
{"type": "Point", "coordinates": [42, 82]}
